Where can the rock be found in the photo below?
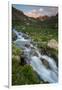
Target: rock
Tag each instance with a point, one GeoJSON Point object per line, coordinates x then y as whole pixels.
{"type": "Point", "coordinates": [45, 63]}
{"type": "Point", "coordinates": [53, 44]}
{"type": "Point", "coordinates": [14, 37]}
{"type": "Point", "coordinates": [22, 60]}
{"type": "Point", "coordinates": [16, 57]}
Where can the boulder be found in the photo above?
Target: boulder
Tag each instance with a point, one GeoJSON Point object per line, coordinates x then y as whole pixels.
{"type": "Point", "coordinates": [53, 44]}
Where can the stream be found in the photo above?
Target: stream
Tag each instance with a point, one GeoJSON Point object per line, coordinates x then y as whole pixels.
{"type": "Point", "coordinates": [35, 58]}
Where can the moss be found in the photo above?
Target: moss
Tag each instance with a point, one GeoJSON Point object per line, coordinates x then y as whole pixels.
{"type": "Point", "coordinates": [15, 50]}
{"type": "Point", "coordinates": [24, 75]}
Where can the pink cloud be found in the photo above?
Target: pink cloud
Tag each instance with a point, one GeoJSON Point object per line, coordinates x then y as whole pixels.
{"type": "Point", "coordinates": [34, 13]}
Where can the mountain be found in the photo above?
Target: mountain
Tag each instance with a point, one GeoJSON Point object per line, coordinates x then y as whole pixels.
{"type": "Point", "coordinates": [42, 18]}
{"type": "Point", "coordinates": [18, 18]}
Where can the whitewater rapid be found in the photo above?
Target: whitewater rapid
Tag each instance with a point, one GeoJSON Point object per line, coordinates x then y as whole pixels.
{"type": "Point", "coordinates": [34, 58]}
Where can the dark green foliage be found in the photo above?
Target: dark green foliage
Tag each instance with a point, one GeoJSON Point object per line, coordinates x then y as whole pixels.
{"type": "Point", "coordinates": [14, 37]}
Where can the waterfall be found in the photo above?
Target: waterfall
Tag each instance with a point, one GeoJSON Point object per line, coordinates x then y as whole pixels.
{"type": "Point", "coordinates": [34, 58]}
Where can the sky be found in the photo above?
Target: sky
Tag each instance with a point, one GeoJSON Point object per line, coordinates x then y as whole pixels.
{"type": "Point", "coordinates": [36, 11]}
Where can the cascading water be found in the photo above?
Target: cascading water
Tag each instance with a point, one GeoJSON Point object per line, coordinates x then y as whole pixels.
{"type": "Point", "coordinates": [34, 58]}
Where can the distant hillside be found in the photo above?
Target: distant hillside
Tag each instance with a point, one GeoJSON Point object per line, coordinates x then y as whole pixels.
{"type": "Point", "coordinates": [51, 22]}
{"type": "Point", "coordinates": [18, 17]}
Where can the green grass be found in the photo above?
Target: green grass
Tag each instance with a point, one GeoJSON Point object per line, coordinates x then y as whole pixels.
{"type": "Point", "coordinates": [38, 33]}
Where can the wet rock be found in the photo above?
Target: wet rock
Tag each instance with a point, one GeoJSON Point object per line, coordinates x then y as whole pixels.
{"type": "Point", "coordinates": [27, 45]}
{"type": "Point", "coordinates": [45, 63]}
{"type": "Point", "coordinates": [14, 37]}
{"type": "Point", "coordinates": [22, 60]}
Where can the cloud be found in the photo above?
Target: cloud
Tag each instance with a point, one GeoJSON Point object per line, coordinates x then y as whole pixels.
{"type": "Point", "coordinates": [41, 9]}
{"type": "Point", "coordinates": [50, 11]}
{"type": "Point", "coordinates": [34, 13]}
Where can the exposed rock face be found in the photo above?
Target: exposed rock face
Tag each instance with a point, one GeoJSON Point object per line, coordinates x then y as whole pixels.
{"type": "Point", "coordinates": [43, 17]}
{"type": "Point", "coordinates": [53, 44]}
